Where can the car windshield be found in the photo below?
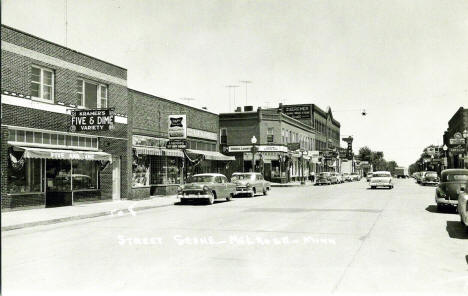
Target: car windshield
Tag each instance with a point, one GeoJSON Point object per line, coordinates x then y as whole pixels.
{"type": "Point", "coordinates": [239, 177]}
{"type": "Point", "coordinates": [379, 175]}
{"type": "Point", "coordinates": [457, 177]}
{"type": "Point", "coordinates": [431, 174]}
{"type": "Point", "coordinates": [201, 179]}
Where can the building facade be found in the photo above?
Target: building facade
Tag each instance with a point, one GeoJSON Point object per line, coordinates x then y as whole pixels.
{"type": "Point", "coordinates": [157, 170]}
{"type": "Point", "coordinates": [275, 133]}
{"type": "Point", "coordinates": [457, 153]}
{"type": "Point", "coordinates": [43, 162]}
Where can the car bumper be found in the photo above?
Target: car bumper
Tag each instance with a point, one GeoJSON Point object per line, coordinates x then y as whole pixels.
{"type": "Point", "coordinates": [323, 182]}
{"type": "Point", "coordinates": [430, 182]}
{"type": "Point", "coordinates": [441, 200]}
{"type": "Point", "coordinates": [380, 184]}
{"type": "Point", "coordinates": [243, 191]}
{"type": "Point", "coordinates": [193, 195]}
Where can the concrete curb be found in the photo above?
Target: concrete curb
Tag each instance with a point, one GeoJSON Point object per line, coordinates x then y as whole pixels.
{"type": "Point", "coordinates": [291, 185]}
{"type": "Point", "coordinates": [80, 217]}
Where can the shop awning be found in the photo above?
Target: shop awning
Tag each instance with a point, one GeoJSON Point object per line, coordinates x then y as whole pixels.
{"type": "Point", "coordinates": [212, 155]}
{"type": "Point", "coordinates": [30, 152]}
{"type": "Point", "coordinates": [159, 151]}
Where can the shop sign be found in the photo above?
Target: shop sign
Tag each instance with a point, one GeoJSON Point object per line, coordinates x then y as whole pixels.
{"type": "Point", "coordinates": [259, 148]}
{"type": "Point", "coordinates": [92, 120]}
{"type": "Point", "coordinates": [457, 141]}
{"type": "Point", "coordinates": [176, 144]}
{"type": "Point", "coordinates": [239, 148]}
{"type": "Point", "coordinates": [177, 127]}
{"type": "Point", "coordinates": [201, 134]}
{"type": "Point", "coordinates": [298, 111]}
{"type": "Point", "coordinates": [294, 146]}
{"type": "Point", "coordinates": [457, 149]}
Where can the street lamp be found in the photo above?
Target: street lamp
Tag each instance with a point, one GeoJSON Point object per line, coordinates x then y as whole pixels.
{"type": "Point", "coordinates": [445, 148]}
{"type": "Point", "coordinates": [302, 166]}
{"type": "Point", "coordinates": [465, 136]}
{"type": "Point", "coordinates": [253, 140]}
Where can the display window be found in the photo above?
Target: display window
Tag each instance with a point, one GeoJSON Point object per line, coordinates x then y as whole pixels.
{"type": "Point", "coordinates": [165, 170]}
{"type": "Point", "coordinates": [140, 170]}
{"type": "Point", "coordinates": [24, 175]}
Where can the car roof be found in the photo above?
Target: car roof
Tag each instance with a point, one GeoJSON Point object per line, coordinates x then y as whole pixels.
{"type": "Point", "coordinates": [455, 171]}
{"type": "Point", "coordinates": [209, 174]}
{"type": "Point", "coordinates": [380, 172]}
{"type": "Point", "coordinates": [246, 173]}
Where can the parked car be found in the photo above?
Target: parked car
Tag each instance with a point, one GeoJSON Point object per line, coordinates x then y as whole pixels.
{"type": "Point", "coordinates": [463, 208]}
{"type": "Point", "coordinates": [325, 178]}
{"type": "Point", "coordinates": [250, 184]}
{"type": "Point", "coordinates": [430, 178]}
{"type": "Point", "coordinates": [207, 186]}
{"type": "Point", "coordinates": [368, 177]}
{"type": "Point", "coordinates": [339, 178]}
{"type": "Point", "coordinates": [347, 177]}
{"type": "Point", "coordinates": [356, 177]}
{"type": "Point", "coordinates": [419, 177]}
{"type": "Point", "coordinates": [381, 179]}
{"type": "Point", "coordinates": [450, 185]}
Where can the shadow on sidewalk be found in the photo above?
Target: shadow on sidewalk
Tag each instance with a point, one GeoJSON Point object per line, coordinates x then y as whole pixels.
{"type": "Point", "coordinates": [456, 230]}
{"type": "Point", "coordinates": [444, 210]}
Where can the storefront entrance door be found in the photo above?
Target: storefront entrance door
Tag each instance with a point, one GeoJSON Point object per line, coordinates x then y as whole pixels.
{"type": "Point", "coordinates": [58, 183]}
{"type": "Point", "coordinates": [116, 179]}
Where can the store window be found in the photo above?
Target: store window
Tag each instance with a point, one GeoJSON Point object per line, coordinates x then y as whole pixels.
{"type": "Point", "coordinates": [85, 175]}
{"type": "Point", "coordinates": [91, 94]}
{"type": "Point", "coordinates": [24, 176]}
{"type": "Point", "coordinates": [42, 83]}
{"type": "Point", "coordinates": [165, 170]}
{"type": "Point", "coordinates": [141, 170]}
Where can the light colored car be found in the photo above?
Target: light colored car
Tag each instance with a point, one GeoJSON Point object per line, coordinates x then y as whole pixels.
{"type": "Point", "coordinates": [355, 177]}
{"type": "Point", "coordinates": [324, 178]}
{"type": "Point", "coordinates": [339, 177]}
{"type": "Point", "coordinates": [451, 183]}
{"type": "Point", "coordinates": [381, 179]}
{"type": "Point", "coordinates": [207, 186]}
{"type": "Point", "coordinates": [347, 177]}
{"type": "Point", "coordinates": [430, 178]}
{"type": "Point", "coordinates": [250, 184]}
{"type": "Point", "coordinates": [463, 208]}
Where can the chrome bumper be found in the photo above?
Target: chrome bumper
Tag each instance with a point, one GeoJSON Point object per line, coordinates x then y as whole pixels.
{"type": "Point", "coordinates": [441, 200]}
{"type": "Point", "coordinates": [192, 195]}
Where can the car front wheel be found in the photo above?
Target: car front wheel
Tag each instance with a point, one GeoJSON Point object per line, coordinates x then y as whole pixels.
{"type": "Point", "coordinates": [211, 198]}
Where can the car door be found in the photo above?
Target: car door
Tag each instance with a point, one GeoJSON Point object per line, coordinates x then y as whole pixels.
{"type": "Point", "coordinates": [221, 185]}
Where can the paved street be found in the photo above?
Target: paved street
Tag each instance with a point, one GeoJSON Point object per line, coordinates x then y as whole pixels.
{"type": "Point", "coordinates": [331, 239]}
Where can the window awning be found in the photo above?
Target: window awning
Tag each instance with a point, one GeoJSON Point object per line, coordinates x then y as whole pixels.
{"type": "Point", "coordinates": [158, 151]}
{"type": "Point", "coordinates": [30, 152]}
{"type": "Point", "coordinates": [211, 155]}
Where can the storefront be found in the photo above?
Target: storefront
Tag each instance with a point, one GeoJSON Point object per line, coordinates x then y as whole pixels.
{"type": "Point", "coordinates": [53, 177]}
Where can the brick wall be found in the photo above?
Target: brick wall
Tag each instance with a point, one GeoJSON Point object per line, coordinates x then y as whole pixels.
{"type": "Point", "coordinates": [19, 52]}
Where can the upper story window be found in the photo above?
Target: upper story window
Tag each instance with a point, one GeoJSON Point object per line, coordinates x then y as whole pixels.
{"type": "Point", "coordinates": [91, 94]}
{"type": "Point", "coordinates": [223, 136]}
{"type": "Point", "coordinates": [270, 132]}
{"type": "Point", "coordinates": [42, 83]}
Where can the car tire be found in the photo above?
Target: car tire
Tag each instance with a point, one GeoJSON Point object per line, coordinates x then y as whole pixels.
{"type": "Point", "coordinates": [229, 198]}
{"type": "Point", "coordinates": [252, 194]}
{"type": "Point", "coordinates": [210, 200]}
{"type": "Point", "coordinates": [265, 191]}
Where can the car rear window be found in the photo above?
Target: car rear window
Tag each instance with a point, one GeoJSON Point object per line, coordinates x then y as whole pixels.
{"type": "Point", "coordinates": [381, 175]}
{"type": "Point", "coordinates": [457, 177]}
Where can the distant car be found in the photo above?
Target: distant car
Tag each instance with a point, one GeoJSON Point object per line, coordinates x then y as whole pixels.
{"type": "Point", "coordinates": [419, 177]}
{"type": "Point", "coordinates": [347, 177]}
{"type": "Point", "coordinates": [250, 184]}
{"type": "Point", "coordinates": [463, 208]}
{"type": "Point", "coordinates": [325, 178]}
{"type": "Point", "coordinates": [381, 179]}
{"type": "Point", "coordinates": [430, 178]}
{"type": "Point", "coordinates": [450, 185]}
{"type": "Point", "coordinates": [368, 177]}
{"type": "Point", "coordinates": [355, 177]}
{"type": "Point", "coordinates": [339, 178]}
{"type": "Point", "coordinates": [206, 186]}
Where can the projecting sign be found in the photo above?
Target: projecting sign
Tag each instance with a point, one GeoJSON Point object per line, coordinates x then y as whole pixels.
{"type": "Point", "coordinates": [298, 111]}
{"type": "Point", "coordinates": [177, 127]}
{"type": "Point", "coordinates": [457, 149]}
{"type": "Point", "coordinates": [92, 120]}
{"type": "Point", "coordinates": [176, 144]}
{"type": "Point", "coordinates": [457, 141]}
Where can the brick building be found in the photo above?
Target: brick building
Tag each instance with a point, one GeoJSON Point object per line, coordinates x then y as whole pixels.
{"type": "Point", "coordinates": [43, 163]}
{"type": "Point", "coordinates": [157, 170]}
{"type": "Point", "coordinates": [327, 128]}
{"type": "Point", "coordinates": [457, 124]}
{"type": "Point", "coordinates": [273, 130]}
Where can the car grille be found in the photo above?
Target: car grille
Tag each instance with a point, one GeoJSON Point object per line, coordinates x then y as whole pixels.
{"type": "Point", "coordinates": [241, 188]}
{"type": "Point", "coordinates": [187, 192]}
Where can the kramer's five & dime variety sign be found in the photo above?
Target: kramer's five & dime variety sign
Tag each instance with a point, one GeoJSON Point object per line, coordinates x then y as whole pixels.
{"type": "Point", "coordinates": [177, 127]}
{"type": "Point", "coordinates": [92, 120]}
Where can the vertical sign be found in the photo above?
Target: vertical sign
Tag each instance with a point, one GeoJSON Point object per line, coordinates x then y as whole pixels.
{"type": "Point", "coordinates": [177, 127]}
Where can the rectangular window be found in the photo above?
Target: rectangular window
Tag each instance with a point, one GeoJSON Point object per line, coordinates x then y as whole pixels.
{"type": "Point", "coordinates": [29, 137]}
{"type": "Point", "coordinates": [20, 136]}
{"type": "Point", "coordinates": [12, 135]}
{"type": "Point", "coordinates": [53, 139]}
{"type": "Point", "coordinates": [270, 132]}
{"type": "Point", "coordinates": [223, 136]}
{"type": "Point", "coordinates": [61, 140]}
{"type": "Point", "coordinates": [37, 138]}
{"type": "Point", "coordinates": [25, 178]}
{"type": "Point", "coordinates": [46, 138]}
{"type": "Point", "coordinates": [42, 83]}
{"type": "Point", "coordinates": [91, 94]}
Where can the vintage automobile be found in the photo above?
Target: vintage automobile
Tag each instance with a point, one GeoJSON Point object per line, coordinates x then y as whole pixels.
{"type": "Point", "coordinates": [210, 187]}
{"type": "Point", "coordinates": [452, 181]}
{"type": "Point", "coordinates": [430, 178]}
{"type": "Point", "coordinates": [368, 177]}
{"type": "Point", "coordinates": [347, 177]}
{"type": "Point", "coordinates": [355, 177]}
{"type": "Point", "coordinates": [250, 184]}
{"type": "Point", "coordinates": [326, 178]}
{"type": "Point", "coordinates": [381, 179]}
{"type": "Point", "coordinates": [463, 208]}
{"type": "Point", "coordinates": [419, 177]}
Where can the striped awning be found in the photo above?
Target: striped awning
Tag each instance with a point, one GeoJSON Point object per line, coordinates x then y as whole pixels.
{"type": "Point", "coordinates": [31, 152]}
{"type": "Point", "coordinates": [211, 155]}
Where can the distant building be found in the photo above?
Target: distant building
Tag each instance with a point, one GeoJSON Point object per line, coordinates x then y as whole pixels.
{"type": "Point", "coordinates": [457, 124]}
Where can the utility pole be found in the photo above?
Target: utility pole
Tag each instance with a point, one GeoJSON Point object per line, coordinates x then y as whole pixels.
{"type": "Point", "coordinates": [234, 89]}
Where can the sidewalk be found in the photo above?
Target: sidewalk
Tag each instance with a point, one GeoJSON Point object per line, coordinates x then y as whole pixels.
{"type": "Point", "coordinates": [29, 218]}
{"type": "Point", "coordinates": [292, 184]}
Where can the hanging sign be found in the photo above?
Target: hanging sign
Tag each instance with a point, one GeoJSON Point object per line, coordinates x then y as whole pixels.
{"type": "Point", "coordinates": [177, 127]}
{"type": "Point", "coordinates": [92, 120]}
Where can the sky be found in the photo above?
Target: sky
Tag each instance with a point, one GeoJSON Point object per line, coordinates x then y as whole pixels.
{"type": "Point", "coordinates": [404, 62]}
